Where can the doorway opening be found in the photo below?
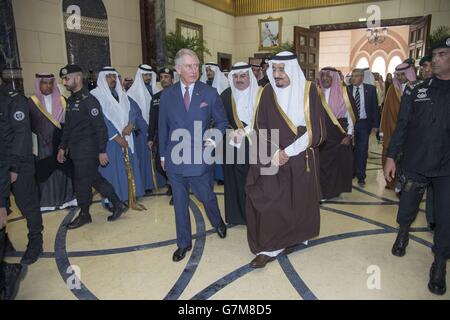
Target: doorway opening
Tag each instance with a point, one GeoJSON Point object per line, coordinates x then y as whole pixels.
{"type": "Point", "coordinates": [346, 46]}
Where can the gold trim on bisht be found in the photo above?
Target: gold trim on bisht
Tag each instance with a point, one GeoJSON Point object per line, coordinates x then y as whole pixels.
{"type": "Point", "coordinates": [348, 104]}
{"type": "Point", "coordinates": [44, 111]}
{"type": "Point", "coordinates": [330, 113]}
{"type": "Point", "coordinates": [132, 200]}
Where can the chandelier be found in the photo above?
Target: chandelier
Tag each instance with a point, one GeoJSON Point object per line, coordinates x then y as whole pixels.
{"type": "Point", "coordinates": [377, 35]}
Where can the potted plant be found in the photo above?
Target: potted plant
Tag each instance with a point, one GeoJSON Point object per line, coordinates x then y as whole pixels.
{"type": "Point", "coordinates": [175, 42]}
{"type": "Point", "coordinates": [285, 46]}
{"type": "Point", "coordinates": [438, 34]}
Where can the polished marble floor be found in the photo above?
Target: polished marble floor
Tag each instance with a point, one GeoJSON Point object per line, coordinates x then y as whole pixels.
{"type": "Point", "coordinates": [132, 258]}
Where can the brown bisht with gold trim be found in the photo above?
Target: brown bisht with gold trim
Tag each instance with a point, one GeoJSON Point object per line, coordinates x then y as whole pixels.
{"type": "Point", "coordinates": [336, 159]}
{"type": "Point", "coordinates": [389, 122]}
{"type": "Point", "coordinates": [54, 179]}
{"type": "Point", "coordinates": [283, 209]}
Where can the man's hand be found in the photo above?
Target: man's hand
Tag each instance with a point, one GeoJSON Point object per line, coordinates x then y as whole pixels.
{"type": "Point", "coordinates": [61, 157]}
{"type": "Point", "coordinates": [127, 130]}
{"type": "Point", "coordinates": [163, 165]}
{"type": "Point", "coordinates": [375, 131]}
{"type": "Point", "coordinates": [13, 176]}
{"type": "Point", "coordinates": [280, 158]}
{"type": "Point", "coordinates": [237, 136]}
{"type": "Point", "coordinates": [150, 144]}
{"type": "Point", "coordinates": [389, 169]}
{"type": "Point", "coordinates": [347, 141]}
{"type": "Point", "coordinates": [121, 141]}
{"type": "Point", "coordinates": [3, 217]}
{"type": "Point", "coordinates": [103, 159]}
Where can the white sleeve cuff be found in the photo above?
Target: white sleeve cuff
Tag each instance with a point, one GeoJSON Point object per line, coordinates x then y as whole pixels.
{"type": "Point", "coordinates": [113, 137]}
{"type": "Point", "coordinates": [298, 146]}
{"type": "Point", "coordinates": [350, 128]}
{"type": "Point", "coordinates": [162, 159]}
{"type": "Point", "coordinates": [248, 130]}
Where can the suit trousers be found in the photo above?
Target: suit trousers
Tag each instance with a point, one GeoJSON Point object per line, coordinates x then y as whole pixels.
{"type": "Point", "coordinates": [361, 153]}
{"type": "Point", "coordinates": [202, 188]}
{"type": "Point", "coordinates": [86, 176]}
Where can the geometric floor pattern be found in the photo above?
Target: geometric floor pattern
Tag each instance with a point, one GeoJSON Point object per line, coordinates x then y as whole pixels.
{"type": "Point", "coordinates": [132, 257]}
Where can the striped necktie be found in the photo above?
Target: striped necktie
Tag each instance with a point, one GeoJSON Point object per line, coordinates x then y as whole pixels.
{"type": "Point", "coordinates": [358, 101]}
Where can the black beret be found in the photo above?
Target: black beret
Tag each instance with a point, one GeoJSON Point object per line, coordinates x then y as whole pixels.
{"type": "Point", "coordinates": [70, 68]}
{"type": "Point", "coordinates": [166, 70]}
{"type": "Point", "coordinates": [444, 43]}
{"type": "Point", "coordinates": [426, 58]}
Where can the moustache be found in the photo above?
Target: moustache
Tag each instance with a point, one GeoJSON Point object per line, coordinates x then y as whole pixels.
{"type": "Point", "coordinates": [278, 79]}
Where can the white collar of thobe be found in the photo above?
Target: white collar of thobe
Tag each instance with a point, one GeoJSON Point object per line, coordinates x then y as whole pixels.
{"type": "Point", "coordinates": [327, 92]}
{"type": "Point", "coordinates": [48, 103]}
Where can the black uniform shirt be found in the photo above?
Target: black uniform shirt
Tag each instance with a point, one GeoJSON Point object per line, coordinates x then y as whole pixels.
{"type": "Point", "coordinates": [85, 133]}
{"type": "Point", "coordinates": [423, 129]}
{"type": "Point", "coordinates": [14, 109]}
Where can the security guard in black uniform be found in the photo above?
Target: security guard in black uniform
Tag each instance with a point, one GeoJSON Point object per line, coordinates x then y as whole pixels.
{"type": "Point", "coordinates": [10, 273]}
{"type": "Point", "coordinates": [423, 135]}
{"type": "Point", "coordinates": [166, 76]}
{"type": "Point", "coordinates": [84, 141]}
{"type": "Point", "coordinates": [23, 183]}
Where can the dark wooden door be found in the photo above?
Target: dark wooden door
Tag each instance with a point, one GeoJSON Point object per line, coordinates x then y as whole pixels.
{"type": "Point", "coordinates": [306, 44]}
{"type": "Point", "coordinates": [419, 33]}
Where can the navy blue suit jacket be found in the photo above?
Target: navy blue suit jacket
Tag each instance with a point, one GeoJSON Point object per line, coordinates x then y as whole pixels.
{"type": "Point", "coordinates": [206, 106]}
{"type": "Point", "coordinates": [371, 104]}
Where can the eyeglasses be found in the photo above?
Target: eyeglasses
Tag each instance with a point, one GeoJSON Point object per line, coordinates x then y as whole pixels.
{"type": "Point", "coordinates": [191, 66]}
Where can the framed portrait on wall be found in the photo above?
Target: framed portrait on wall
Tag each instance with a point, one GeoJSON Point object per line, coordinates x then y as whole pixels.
{"type": "Point", "coordinates": [189, 29]}
{"type": "Point", "coordinates": [269, 33]}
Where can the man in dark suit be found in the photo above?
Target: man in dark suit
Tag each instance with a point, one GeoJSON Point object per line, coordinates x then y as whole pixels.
{"type": "Point", "coordinates": [366, 100]}
{"type": "Point", "coordinates": [186, 110]}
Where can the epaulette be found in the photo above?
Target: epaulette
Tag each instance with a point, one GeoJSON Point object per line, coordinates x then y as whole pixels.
{"type": "Point", "coordinates": [12, 94]}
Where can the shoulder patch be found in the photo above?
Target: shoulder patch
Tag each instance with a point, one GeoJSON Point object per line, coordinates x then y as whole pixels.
{"type": "Point", "coordinates": [95, 112]}
{"type": "Point", "coordinates": [19, 116]}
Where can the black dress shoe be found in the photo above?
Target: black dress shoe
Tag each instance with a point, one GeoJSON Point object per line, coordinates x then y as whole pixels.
{"type": "Point", "coordinates": [432, 226]}
{"type": "Point", "coordinates": [222, 230]}
{"type": "Point", "coordinates": [180, 253]}
{"type": "Point", "coordinates": [220, 182]}
{"type": "Point", "coordinates": [437, 283]}
{"type": "Point", "coordinates": [169, 191]}
{"type": "Point", "coordinates": [400, 244]}
{"type": "Point", "coordinates": [13, 273]}
{"type": "Point", "coordinates": [171, 201]}
{"type": "Point", "coordinates": [118, 209]}
{"type": "Point", "coordinates": [361, 182]}
{"type": "Point", "coordinates": [81, 220]}
{"type": "Point", "coordinates": [31, 255]}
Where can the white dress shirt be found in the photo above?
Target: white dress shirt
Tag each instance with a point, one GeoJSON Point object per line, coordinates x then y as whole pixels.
{"type": "Point", "coordinates": [362, 111]}
{"type": "Point", "coordinates": [190, 87]}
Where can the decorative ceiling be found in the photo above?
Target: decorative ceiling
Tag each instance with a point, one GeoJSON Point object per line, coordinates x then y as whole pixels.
{"type": "Point", "coordinates": [249, 7]}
